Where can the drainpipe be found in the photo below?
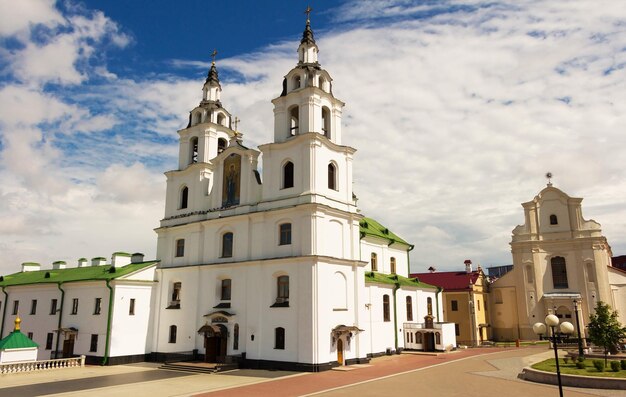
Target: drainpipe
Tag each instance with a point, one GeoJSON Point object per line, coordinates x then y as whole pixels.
{"type": "Point", "coordinates": [395, 315]}
{"type": "Point", "coordinates": [439, 291]}
{"type": "Point", "coordinates": [408, 260]}
{"type": "Point", "coordinates": [56, 349]}
{"type": "Point", "coordinates": [105, 359]}
{"type": "Point", "coordinates": [4, 311]}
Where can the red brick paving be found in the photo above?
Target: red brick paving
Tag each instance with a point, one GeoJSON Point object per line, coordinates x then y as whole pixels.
{"type": "Point", "coordinates": [316, 382]}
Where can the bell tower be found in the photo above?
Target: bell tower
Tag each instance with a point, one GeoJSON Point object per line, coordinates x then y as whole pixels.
{"type": "Point", "coordinates": [306, 103]}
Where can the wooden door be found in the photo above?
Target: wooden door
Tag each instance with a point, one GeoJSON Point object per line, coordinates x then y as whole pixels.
{"type": "Point", "coordinates": [68, 346]}
{"type": "Point", "coordinates": [340, 351]}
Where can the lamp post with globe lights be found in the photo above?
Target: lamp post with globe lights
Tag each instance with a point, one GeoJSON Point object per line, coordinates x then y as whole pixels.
{"type": "Point", "coordinates": [552, 321]}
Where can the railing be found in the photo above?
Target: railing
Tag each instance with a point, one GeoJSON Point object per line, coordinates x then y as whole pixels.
{"type": "Point", "coordinates": [29, 366]}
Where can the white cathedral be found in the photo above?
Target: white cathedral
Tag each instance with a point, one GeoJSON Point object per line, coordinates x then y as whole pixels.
{"type": "Point", "coordinates": [278, 270]}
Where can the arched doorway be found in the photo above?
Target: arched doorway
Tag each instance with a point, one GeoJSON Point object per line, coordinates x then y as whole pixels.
{"type": "Point", "coordinates": [340, 351]}
{"type": "Point", "coordinates": [215, 342]}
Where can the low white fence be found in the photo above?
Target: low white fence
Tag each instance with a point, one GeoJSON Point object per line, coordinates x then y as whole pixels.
{"type": "Point", "coordinates": [29, 366]}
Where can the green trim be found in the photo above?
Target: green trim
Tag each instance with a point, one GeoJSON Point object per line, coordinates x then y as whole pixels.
{"type": "Point", "coordinates": [59, 263]}
{"type": "Point", "coordinates": [121, 254]}
{"type": "Point", "coordinates": [4, 310]}
{"type": "Point", "coordinates": [82, 259]}
{"type": "Point", "coordinates": [105, 359]}
{"type": "Point", "coordinates": [56, 348]}
{"type": "Point", "coordinates": [370, 227]}
{"type": "Point", "coordinates": [395, 315]}
{"type": "Point", "coordinates": [31, 264]}
{"type": "Point", "coordinates": [73, 274]}
{"type": "Point", "coordinates": [393, 279]}
{"type": "Point", "coordinates": [99, 258]}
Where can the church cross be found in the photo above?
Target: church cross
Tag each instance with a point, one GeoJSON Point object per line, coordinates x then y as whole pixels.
{"type": "Point", "coordinates": [549, 176]}
{"type": "Point", "coordinates": [213, 54]}
{"type": "Point", "coordinates": [308, 13]}
{"type": "Point", "coordinates": [236, 123]}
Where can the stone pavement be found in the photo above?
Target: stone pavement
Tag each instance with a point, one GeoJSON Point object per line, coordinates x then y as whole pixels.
{"type": "Point", "coordinates": [472, 372]}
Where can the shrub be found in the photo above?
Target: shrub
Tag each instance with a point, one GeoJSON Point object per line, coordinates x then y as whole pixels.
{"type": "Point", "coordinates": [622, 364]}
{"type": "Point", "coordinates": [599, 365]}
{"type": "Point", "coordinates": [566, 360]}
{"type": "Point", "coordinates": [615, 366]}
{"type": "Point", "coordinates": [581, 359]}
{"type": "Point", "coordinates": [580, 365]}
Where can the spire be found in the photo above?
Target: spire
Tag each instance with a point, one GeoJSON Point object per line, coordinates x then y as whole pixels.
{"type": "Point", "coordinates": [307, 35]}
{"type": "Point", "coordinates": [212, 76]}
{"type": "Point", "coordinates": [212, 88]}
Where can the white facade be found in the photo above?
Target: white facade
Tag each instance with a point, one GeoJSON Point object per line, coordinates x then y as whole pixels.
{"type": "Point", "coordinates": [271, 270]}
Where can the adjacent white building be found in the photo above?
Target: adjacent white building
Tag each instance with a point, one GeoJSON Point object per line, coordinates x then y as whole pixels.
{"type": "Point", "coordinates": [278, 268]}
{"type": "Point", "coordinates": [95, 309]}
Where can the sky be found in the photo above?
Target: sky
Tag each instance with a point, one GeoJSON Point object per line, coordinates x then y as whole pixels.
{"type": "Point", "coordinates": [457, 110]}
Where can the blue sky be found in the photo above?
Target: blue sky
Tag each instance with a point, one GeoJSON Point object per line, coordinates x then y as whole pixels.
{"type": "Point", "coordinates": [457, 110]}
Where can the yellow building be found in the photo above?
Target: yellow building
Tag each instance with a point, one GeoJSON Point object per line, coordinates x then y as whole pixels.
{"type": "Point", "coordinates": [561, 264]}
{"type": "Point", "coordinates": [465, 300]}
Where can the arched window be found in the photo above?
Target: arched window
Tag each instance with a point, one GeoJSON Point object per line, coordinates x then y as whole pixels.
{"type": "Point", "coordinates": [296, 79]}
{"type": "Point", "coordinates": [326, 121]}
{"type": "Point", "coordinates": [221, 119]}
{"type": "Point", "coordinates": [184, 197]}
{"type": "Point", "coordinates": [409, 308]}
{"type": "Point", "coordinates": [279, 338]}
{"type": "Point", "coordinates": [226, 289]}
{"type": "Point", "coordinates": [554, 220]}
{"type": "Point", "coordinates": [173, 331]}
{"type": "Point", "coordinates": [282, 295]}
{"type": "Point", "coordinates": [236, 337]}
{"type": "Point", "coordinates": [559, 272]}
{"type": "Point", "coordinates": [429, 306]}
{"type": "Point", "coordinates": [193, 147]}
{"type": "Point", "coordinates": [386, 316]}
{"type": "Point", "coordinates": [198, 118]}
{"type": "Point", "coordinates": [294, 120]}
{"type": "Point", "coordinates": [221, 145]}
{"type": "Point", "coordinates": [180, 247]}
{"type": "Point", "coordinates": [392, 265]}
{"type": "Point", "coordinates": [285, 234]}
{"type": "Point", "coordinates": [227, 245]}
{"type": "Point", "coordinates": [529, 274]}
{"type": "Point", "coordinates": [374, 262]}
{"type": "Point", "coordinates": [322, 83]}
{"type": "Point", "coordinates": [288, 175]}
{"type": "Point", "coordinates": [332, 177]}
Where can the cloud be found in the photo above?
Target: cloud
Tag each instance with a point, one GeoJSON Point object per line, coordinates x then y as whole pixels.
{"type": "Point", "coordinates": [17, 17]}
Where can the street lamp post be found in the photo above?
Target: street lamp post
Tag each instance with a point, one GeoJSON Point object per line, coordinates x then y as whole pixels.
{"type": "Point", "coordinates": [580, 340]}
{"type": "Point", "coordinates": [552, 321]}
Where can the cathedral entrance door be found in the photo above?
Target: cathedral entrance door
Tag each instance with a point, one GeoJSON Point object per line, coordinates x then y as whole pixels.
{"type": "Point", "coordinates": [340, 351]}
{"type": "Point", "coordinates": [68, 346]}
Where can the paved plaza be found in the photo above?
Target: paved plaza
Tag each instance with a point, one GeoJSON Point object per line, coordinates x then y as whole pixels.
{"type": "Point", "coordinates": [472, 372]}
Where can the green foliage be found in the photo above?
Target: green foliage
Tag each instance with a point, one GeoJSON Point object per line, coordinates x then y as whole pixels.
{"type": "Point", "coordinates": [622, 363]}
{"type": "Point", "coordinates": [566, 360]}
{"type": "Point", "coordinates": [599, 365]}
{"type": "Point", "coordinates": [605, 329]}
{"type": "Point", "coordinates": [580, 365]}
{"type": "Point", "coordinates": [615, 366]}
{"type": "Point", "coordinates": [581, 359]}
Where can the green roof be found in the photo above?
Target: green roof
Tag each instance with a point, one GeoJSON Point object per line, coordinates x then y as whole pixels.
{"type": "Point", "coordinates": [17, 340]}
{"type": "Point", "coordinates": [88, 273]}
{"type": "Point", "coordinates": [373, 277]}
{"type": "Point", "coordinates": [370, 227]}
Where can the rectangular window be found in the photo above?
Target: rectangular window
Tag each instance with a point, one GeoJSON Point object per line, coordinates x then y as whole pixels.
{"type": "Point", "coordinates": [74, 306]}
{"type": "Point", "coordinates": [279, 340]}
{"type": "Point", "coordinates": [226, 289]}
{"type": "Point", "coordinates": [559, 272]}
{"type": "Point", "coordinates": [175, 301]}
{"type": "Point", "coordinates": [97, 306]}
{"type": "Point", "coordinates": [457, 329]}
{"type": "Point", "coordinates": [283, 289]}
{"type": "Point", "coordinates": [455, 306]}
{"type": "Point", "coordinates": [93, 346]}
{"type": "Point", "coordinates": [33, 306]}
{"type": "Point", "coordinates": [30, 335]}
{"type": "Point", "coordinates": [53, 306]}
{"type": "Point", "coordinates": [49, 338]}
{"type": "Point", "coordinates": [478, 301]}
{"type": "Point", "coordinates": [386, 313]}
{"type": "Point", "coordinates": [16, 307]}
{"type": "Point", "coordinates": [180, 247]}
{"type": "Point", "coordinates": [285, 234]}
{"type": "Point", "coordinates": [131, 308]}
{"type": "Point", "coordinates": [173, 331]}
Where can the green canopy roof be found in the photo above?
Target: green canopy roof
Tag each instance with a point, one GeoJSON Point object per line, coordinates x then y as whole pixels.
{"type": "Point", "coordinates": [87, 273]}
{"type": "Point", "coordinates": [17, 340]}
{"type": "Point", "coordinates": [373, 277]}
{"type": "Point", "coordinates": [370, 227]}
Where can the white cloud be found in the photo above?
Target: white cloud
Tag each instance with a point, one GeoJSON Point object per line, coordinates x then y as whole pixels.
{"type": "Point", "coordinates": [16, 17]}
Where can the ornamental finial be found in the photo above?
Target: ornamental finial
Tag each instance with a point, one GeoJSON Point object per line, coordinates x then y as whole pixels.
{"type": "Point", "coordinates": [549, 177]}
{"type": "Point", "coordinates": [18, 320]}
{"type": "Point", "coordinates": [308, 14]}
{"type": "Point", "coordinates": [213, 54]}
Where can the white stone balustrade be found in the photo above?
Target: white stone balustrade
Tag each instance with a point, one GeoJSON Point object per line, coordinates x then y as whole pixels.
{"type": "Point", "coordinates": [29, 366]}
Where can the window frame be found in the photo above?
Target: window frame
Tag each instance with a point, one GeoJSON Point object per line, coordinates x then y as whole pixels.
{"type": "Point", "coordinates": [49, 340]}
{"type": "Point", "coordinates": [282, 289]}
{"type": "Point", "coordinates": [409, 308]}
{"type": "Point", "coordinates": [54, 303]}
{"type": "Point", "coordinates": [332, 177]}
{"type": "Point", "coordinates": [97, 307]}
{"type": "Point", "coordinates": [279, 338]}
{"type": "Point", "coordinates": [180, 248]}
{"type": "Point", "coordinates": [74, 306]}
{"type": "Point", "coordinates": [173, 333]}
{"type": "Point", "coordinates": [16, 307]}
{"type": "Point", "coordinates": [33, 307]}
{"type": "Point", "coordinates": [131, 307]}
{"type": "Point", "coordinates": [374, 261]}
{"type": "Point", "coordinates": [558, 267]}
{"type": "Point", "coordinates": [93, 343]}
{"type": "Point", "coordinates": [386, 309]}
{"type": "Point", "coordinates": [288, 171]}
{"type": "Point", "coordinates": [226, 289]}
{"type": "Point", "coordinates": [392, 265]}
{"type": "Point", "coordinates": [184, 198]}
{"type": "Point", "coordinates": [284, 233]}
{"type": "Point", "coordinates": [454, 305]}
{"type": "Point", "coordinates": [228, 243]}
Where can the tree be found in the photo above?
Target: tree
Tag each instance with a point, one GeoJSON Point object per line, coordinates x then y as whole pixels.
{"type": "Point", "coordinates": [605, 330]}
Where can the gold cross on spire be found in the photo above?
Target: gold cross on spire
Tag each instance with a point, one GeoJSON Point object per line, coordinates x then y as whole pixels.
{"type": "Point", "coordinates": [308, 13]}
{"type": "Point", "coordinates": [213, 54]}
{"type": "Point", "coordinates": [236, 123]}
